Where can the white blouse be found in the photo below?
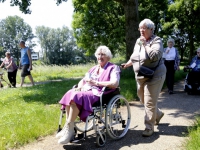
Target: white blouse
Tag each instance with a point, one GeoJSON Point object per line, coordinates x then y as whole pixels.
{"type": "Point", "coordinates": [114, 76]}
{"type": "Point", "coordinates": [169, 54]}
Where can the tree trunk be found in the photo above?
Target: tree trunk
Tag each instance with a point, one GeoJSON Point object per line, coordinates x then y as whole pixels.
{"type": "Point", "coordinates": [132, 22]}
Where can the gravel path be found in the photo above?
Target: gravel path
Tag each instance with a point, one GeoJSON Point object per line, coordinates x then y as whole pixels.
{"type": "Point", "coordinates": [180, 110]}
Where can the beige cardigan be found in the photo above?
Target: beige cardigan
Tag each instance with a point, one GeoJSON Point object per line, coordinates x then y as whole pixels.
{"type": "Point", "coordinates": [149, 58]}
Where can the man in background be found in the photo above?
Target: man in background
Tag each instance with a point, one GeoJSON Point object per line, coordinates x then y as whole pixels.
{"type": "Point", "coordinates": [25, 63]}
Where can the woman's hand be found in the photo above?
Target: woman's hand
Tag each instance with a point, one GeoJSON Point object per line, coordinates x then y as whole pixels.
{"type": "Point", "coordinates": [178, 68]}
{"type": "Point", "coordinates": [123, 66]}
{"type": "Point", "coordinates": [90, 81]}
{"type": "Point", "coordinates": [143, 40]}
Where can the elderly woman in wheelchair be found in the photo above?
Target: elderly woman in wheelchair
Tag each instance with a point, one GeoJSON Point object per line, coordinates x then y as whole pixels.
{"type": "Point", "coordinates": [79, 101]}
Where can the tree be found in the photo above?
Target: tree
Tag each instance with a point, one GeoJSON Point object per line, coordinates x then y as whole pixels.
{"type": "Point", "coordinates": [12, 30]}
{"type": "Point", "coordinates": [112, 23]}
{"type": "Point", "coordinates": [98, 22]}
{"type": "Point", "coordinates": [130, 10]}
{"type": "Point", "coordinates": [182, 20]}
{"type": "Point", "coordinates": [58, 45]}
{"type": "Point", "coordinates": [154, 10]}
{"type": "Point", "coordinates": [25, 4]}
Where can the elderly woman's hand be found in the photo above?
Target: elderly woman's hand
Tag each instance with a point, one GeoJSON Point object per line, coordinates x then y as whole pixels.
{"type": "Point", "coordinates": [90, 81]}
{"type": "Point", "coordinates": [143, 40]}
{"type": "Point", "coordinates": [178, 68]}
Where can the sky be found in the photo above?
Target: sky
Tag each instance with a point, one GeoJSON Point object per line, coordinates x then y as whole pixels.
{"type": "Point", "coordinates": [44, 12]}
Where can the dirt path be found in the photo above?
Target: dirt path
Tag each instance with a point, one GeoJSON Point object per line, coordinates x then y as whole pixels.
{"type": "Point", "coordinates": [180, 110]}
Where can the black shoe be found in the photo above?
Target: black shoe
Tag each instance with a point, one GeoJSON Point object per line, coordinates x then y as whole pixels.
{"type": "Point", "coordinates": [171, 92]}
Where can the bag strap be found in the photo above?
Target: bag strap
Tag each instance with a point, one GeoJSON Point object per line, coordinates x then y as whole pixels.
{"type": "Point", "coordinates": [145, 52]}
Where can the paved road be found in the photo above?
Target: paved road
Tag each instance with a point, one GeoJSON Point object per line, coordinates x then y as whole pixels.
{"type": "Point", "coordinates": [180, 110]}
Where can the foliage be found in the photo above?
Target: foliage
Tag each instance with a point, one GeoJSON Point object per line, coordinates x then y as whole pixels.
{"type": "Point", "coordinates": [112, 23]}
{"type": "Point", "coordinates": [12, 30]}
{"type": "Point", "coordinates": [58, 46]}
{"type": "Point", "coordinates": [25, 4]}
{"type": "Point", "coordinates": [181, 22]}
{"type": "Point", "coordinates": [99, 23]}
{"type": "Point", "coordinates": [154, 10]}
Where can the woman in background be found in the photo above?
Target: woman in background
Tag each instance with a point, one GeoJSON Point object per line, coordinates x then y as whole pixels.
{"type": "Point", "coordinates": [11, 67]}
{"type": "Point", "coordinates": [172, 61]}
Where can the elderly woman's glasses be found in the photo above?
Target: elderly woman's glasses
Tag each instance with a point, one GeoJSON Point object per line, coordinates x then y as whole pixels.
{"type": "Point", "coordinates": [101, 54]}
{"type": "Point", "coordinates": [143, 28]}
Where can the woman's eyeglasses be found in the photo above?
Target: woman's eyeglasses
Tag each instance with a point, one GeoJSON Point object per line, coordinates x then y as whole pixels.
{"type": "Point", "coordinates": [143, 28]}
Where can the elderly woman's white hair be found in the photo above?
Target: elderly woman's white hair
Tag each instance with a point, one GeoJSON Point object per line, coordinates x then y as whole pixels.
{"type": "Point", "coordinates": [171, 40]}
{"type": "Point", "coordinates": [7, 53]}
{"type": "Point", "coordinates": [148, 23]}
{"type": "Point", "coordinates": [105, 50]}
{"type": "Point", "coordinates": [198, 49]}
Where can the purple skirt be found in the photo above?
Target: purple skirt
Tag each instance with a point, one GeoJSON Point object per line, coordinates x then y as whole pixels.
{"type": "Point", "coordinates": [83, 100]}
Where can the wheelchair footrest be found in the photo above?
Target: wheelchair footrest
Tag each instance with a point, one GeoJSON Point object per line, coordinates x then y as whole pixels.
{"type": "Point", "coordinates": [78, 138]}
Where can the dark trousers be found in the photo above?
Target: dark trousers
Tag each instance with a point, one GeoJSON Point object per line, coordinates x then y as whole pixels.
{"type": "Point", "coordinates": [12, 77]}
{"type": "Point", "coordinates": [170, 74]}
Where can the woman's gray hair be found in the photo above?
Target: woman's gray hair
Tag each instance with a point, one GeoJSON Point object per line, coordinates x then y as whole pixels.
{"type": "Point", "coordinates": [148, 23]}
{"type": "Point", "coordinates": [171, 40]}
{"type": "Point", "coordinates": [7, 53]}
{"type": "Point", "coordinates": [105, 50]}
{"type": "Point", "coordinates": [198, 49]}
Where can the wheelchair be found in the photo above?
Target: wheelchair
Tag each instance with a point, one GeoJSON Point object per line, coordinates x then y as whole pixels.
{"type": "Point", "coordinates": [110, 115]}
{"type": "Point", "coordinates": [192, 81]}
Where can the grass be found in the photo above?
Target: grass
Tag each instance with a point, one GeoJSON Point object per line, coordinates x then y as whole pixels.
{"type": "Point", "coordinates": [194, 136]}
{"type": "Point", "coordinates": [31, 112]}
{"type": "Point", "coordinates": [28, 113]}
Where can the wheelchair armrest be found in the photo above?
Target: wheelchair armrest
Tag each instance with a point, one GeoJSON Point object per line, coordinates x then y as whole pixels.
{"type": "Point", "coordinates": [187, 69]}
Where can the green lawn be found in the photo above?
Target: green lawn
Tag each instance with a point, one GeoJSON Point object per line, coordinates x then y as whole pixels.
{"type": "Point", "coordinates": [194, 136]}
{"type": "Point", "coordinates": [31, 112]}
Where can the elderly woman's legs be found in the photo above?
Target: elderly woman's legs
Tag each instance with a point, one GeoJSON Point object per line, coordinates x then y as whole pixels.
{"type": "Point", "coordinates": [67, 132]}
{"type": "Point", "coordinates": [148, 92]}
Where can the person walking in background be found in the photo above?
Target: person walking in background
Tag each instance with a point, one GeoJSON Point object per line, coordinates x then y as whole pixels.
{"type": "Point", "coordinates": [172, 61]}
{"type": "Point", "coordinates": [148, 52]}
{"type": "Point", "coordinates": [25, 63]}
{"type": "Point", "coordinates": [11, 68]}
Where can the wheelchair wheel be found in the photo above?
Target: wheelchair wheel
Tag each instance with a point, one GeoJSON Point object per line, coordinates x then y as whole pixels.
{"type": "Point", "coordinates": [118, 117]}
{"type": "Point", "coordinates": [101, 142]}
{"type": "Point", "coordinates": [81, 126]}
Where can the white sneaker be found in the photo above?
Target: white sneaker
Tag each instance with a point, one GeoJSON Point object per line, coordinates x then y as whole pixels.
{"type": "Point", "coordinates": [62, 132]}
{"type": "Point", "coordinates": [68, 134]}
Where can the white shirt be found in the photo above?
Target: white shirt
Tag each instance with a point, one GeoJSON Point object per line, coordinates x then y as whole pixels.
{"type": "Point", "coordinates": [169, 54]}
{"type": "Point", "coordinates": [114, 76]}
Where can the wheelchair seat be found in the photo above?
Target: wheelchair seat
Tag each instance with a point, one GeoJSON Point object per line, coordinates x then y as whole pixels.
{"type": "Point", "coordinates": [192, 82]}
{"type": "Point", "coordinates": [107, 97]}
